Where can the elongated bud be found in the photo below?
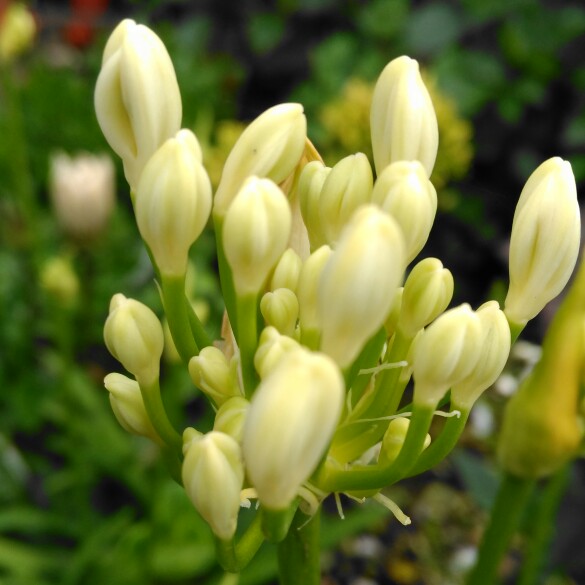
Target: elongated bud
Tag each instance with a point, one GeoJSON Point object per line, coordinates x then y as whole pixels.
{"type": "Point", "coordinates": [137, 98]}
{"type": "Point", "coordinates": [309, 188]}
{"type": "Point", "coordinates": [428, 290]}
{"type": "Point", "coordinates": [290, 423]}
{"type": "Point", "coordinates": [495, 349]}
{"type": "Point", "coordinates": [255, 233]}
{"type": "Point", "coordinates": [281, 310]}
{"type": "Point", "coordinates": [214, 375]}
{"type": "Point", "coordinates": [402, 119]}
{"type": "Point", "coordinates": [173, 202]}
{"type": "Point", "coordinates": [347, 187]}
{"type": "Point", "coordinates": [134, 336]}
{"type": "Point", "coordinates": [359, 282]}
{"type": "Point", "coordinates": [404, 190]}
{"type": "Point", "coordinates": [230, 417]}
{"type": "Point", "coordinates": [545, 240]}
{"type": "Point", "coordinates": [445, 353]}
{"type": "Point", "coordinates": [128, 406]}
{"type": "Point", "coordinates": [287, 271]}
{"type": "Point", "coordinates": [213, 475]}
{"type": "Point", "coordinates": [271, 347]}
{"type": "Point", "coordinates": [394, 439]}
{"type": "Point", "coordinates": [270, 147]}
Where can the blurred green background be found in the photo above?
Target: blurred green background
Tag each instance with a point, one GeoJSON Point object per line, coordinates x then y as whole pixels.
{"type": "Point", "coordinates": [82, 502]}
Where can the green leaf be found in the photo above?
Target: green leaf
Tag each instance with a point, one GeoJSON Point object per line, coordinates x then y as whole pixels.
{"type": "Point", "coordinates": [265, 31]}
{"type": "Point", "coordinates": [382, 19]}
{"type": "Point", "coordinates": [433, 28]}
{"type": "Point", "coordinates": [480, 480]}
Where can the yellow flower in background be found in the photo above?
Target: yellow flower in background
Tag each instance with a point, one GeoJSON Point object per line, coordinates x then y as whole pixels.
{"type": "Point", "coordinates": [17, 31]}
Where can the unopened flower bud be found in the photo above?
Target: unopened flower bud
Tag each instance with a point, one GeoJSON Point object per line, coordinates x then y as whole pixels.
{"type": "Point", "coordinates": [290, 423]}
{"type": "Point", "coordinates": [545, 240]}
{"type": "Point", "coordinates": [214, 375]}
{"type": "Point", "coordinates": [358, 283]}
{"type": "Point", "coordinates": [134, 336]}
{"type": "Point", "coordinates": [394, 439]}
{"type": "Point", "coordinates": [281, 310]}
{"type": "Point", "coordinates": [255, 233]}
{"type": "Point", "coordinates": [495, 348]}
{"type": "Point", "coordinates": [404, 190]}
{"type": "Point", "coordinates": [17, 30]}
{"type": "Point", "coordinates": [271, 146]}
{"type": "Point", "coordinates": [213, 476]}
{"type": "Point", "coordinates": [60, 281]}
{"type": "Point", "coordinates": [128, 406]}
{"type": "Point", "coordinates": [82, 190]}
{"type": "Point", "coordinates": [230, 417]}
{"type": "Point", "coordinates": [287, 271]}
{"type": "Point", "coordinates": [271, 348]}
{"type": "Point", "coordinates": [137, 98]}
{"type": "Point", "coordinates": [445, 353]}
{"type": "Point", "coordinates": [311, 182]}
{"type": "Point", "coordinates": [347, 187]}
{"type": "Point", "coordinates": [428, 290]}
{"type": "Point", "coordinates": [173, 202]}
{"type": "Point", "coordinates": [402, 118]}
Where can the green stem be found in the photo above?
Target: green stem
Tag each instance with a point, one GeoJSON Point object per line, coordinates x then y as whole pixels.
{"type": "Point", "coordinates": [276, 523]}
{"type": "Point", "coordinates": [299, 552]}
{"type": "Point", "coordinates": [511, 501]}
{"type": "Point", "coordinates": [225, 276]}
{"type": "Point", "coordinates": [202, 339]}
{"type": "Point", "coordinates": [247, 312]}
{"type": "Point", "coordinates": [175, 304]}
{"type": "Point", "coordinates": [235, 557]}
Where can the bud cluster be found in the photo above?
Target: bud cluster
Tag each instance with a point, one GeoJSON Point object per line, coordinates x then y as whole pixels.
{"type": "Point", "coordinates": [322, 330]}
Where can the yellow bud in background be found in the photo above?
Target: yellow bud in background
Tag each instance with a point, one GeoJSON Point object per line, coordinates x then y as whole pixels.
{"type": "Point", "coordinates": [214, 375]}
{"type": "Point", "coordinates": [271, 348]}
{"type": "Point", "coordinates": [402, 119]}
{"type": "Point", "coordinates": [428, 290]}
{"type": "Point", "coordinates": [445, 353]}
{"type": "Point", "coordinates": [290, 424]}
{"type": "Point", "coordinates": [358, 283]}
{"type": "Point", "coordinates": [394, 439]}
{"type": "Point", "coordinates": [134, 336]}
{"type": "Point", "coordinates": [271, 146]}
{"type": "Point", "coordinates": [83, 193]}
{"type": "Point", "coordinates": [128, 406]}
{"type": "Point", "coordinates": [213, 476]}
{"type": "Point", "coordinates": [137, 98]}
{"type": "Point", "coordinates": [281, 310]}
{"type": "Point", "coordinates": [230, 417]}
{"type": "Point", "coordinates": [495, 349]}
{"type": "Point", "coordinates": [545, 240]}
{"type": "Point", "coordinates": [309, 188]}
{"type": "Point", "coordinates": [347, 187]}
{"type": "Point", "coordinates": [17, 31]}
{"type": "Point", "coordinates": [405, 192]}
{"type": "Point", "coordinates": [59, 280]}
{"type": "Point", "coordinates": [173, 202]}
{"type": "Point", "coordinates": [255, 233]}
{"type": "Point", "coordinates": [287, 271]}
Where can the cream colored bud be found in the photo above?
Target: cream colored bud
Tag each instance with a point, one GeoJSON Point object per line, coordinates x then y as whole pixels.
{"type": "Point", "coordinates": [83, 193]}
{"type": "Point", "coordinates": [347, 187]}
{"type": "Point", "coordinates": [230, 417]}
{"type": "Point", "coordinates": [271, 146]}
{"type": "Point", "coordinates": [394, 439]}
{"type": "Point", "coordinates": [134, 336]}
{"type": "Point", "coordinates": [404, 190]}
{"type": "Point", "coordinates": [289, 426]}
{"type": "Point", "coordinates": [309, 188]}
{"type": "Point", "coordinates": [128, 406]}
{"type": "Point", "coordinates": [255, 233]}
{"type": "Point", "coordinates": [495, 348]}
{"type": "Point", "coordinates": [271, 348]}
{"type": "Point", "coordinates": [308, 287]}
{"type": "Point", "coordinates": [214, 375]}
{"type": "Point", "coordinates": [17, 30]}
{"type": "Point", "coordinates": [281, 310]}
{"type": "Point", "coordinates": [137, 98]}
{"type": "Point", "coordinates": [213, 476]}
{"type": "Point", "coordinates": [402, 118]}
{"type": "Point", "coordinates": [287, 271]}
{"type": "Point", "coordinates": [428, 290]}
{"type": "Point", "coordinates": [545, 240]}
{"type": "Point", "coordinates": [359, 282]}
{"type": "Point", "coordinates": [445, 353]}
{"type": "Point", "coordinates": [173, 202]}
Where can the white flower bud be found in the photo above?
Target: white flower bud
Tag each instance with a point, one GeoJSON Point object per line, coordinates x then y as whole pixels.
{"type": "Point", "coordinates": [137, 98]}
{"type": "Point", "coordinates": [173, 202]}
{"type": "Point", "coordinates": [230, 417]}
{"type": "Point", "coordinates": [271, 146]}
{"type": "Point", "coordinates": [281, 310]}
{"type": "Point", "coordinates": [134, 336]}
{"type": "Point", "coordinates": [128, 406]}
{"type": "Point", "coordinates": [309, 187]}
{"type": "Point", "coordinates": [287, 271]}
{"type": "Point", "coordinates": [545, 240]}
{"type": "Point", "coordinates": [271, 347]}
{"type": "Point", "coordinates": [291, 421]}
{"type": "Point", "coordinates": [404, 190]}
{"type": "Point", "coordinates": [358, 283]}
{"type": "Point", "coordinates": [213, 475]}
{"type": "Point", "coordinates": [255, 234]}
{"type": "Point", "coordinates": [428, 290]}
{"type": "Point", "coordinates": [445, 353]}
{"type": "Point", "coordinates": [495, 348]}
{"type": "Point", "coordinates": [214, 375]}
{"type": "Point", "coordinates": [402, 118]}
